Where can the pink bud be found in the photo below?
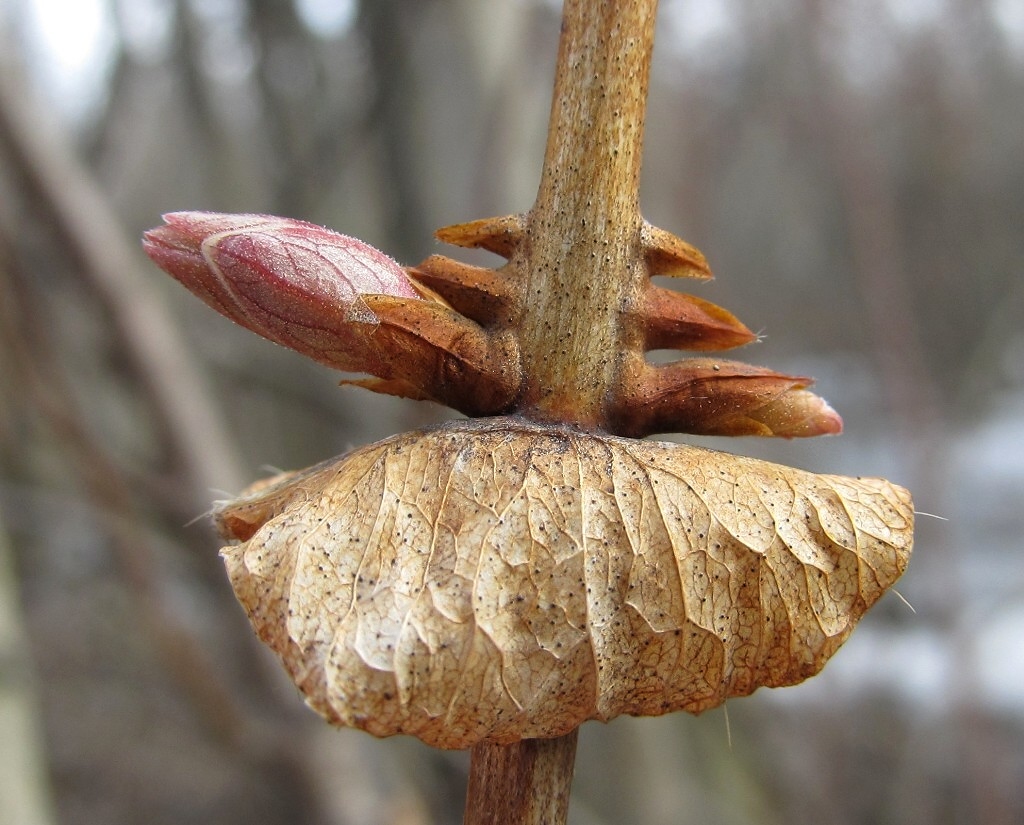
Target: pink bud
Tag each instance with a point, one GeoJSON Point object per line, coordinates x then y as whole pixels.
{"type": "Point", "coordinates": [338, 301]}
{"type": "Point", "coordinates": [293, 282]}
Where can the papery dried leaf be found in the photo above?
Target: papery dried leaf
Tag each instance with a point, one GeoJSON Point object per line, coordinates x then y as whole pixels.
{"type": "Point", "coordinates": [497, 579]}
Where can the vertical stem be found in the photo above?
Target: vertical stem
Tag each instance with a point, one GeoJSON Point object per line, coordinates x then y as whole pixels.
{"type": "Point", "coordinates": [583, 261]}
{"type": "Point", "coordinates": [526, 783]}
{"type": "Point", "coordinates": [582, 264]}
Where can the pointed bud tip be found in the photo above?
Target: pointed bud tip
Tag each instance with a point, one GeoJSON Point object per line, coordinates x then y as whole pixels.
{"type": "Point", "coordinates": [178, 256]}
{"type": "Point", "coordinates": [799, 414]}
{"type": "Point", "coordinates": [286, 250]}
{"type": "Point", "coordinates": [183, 234]}
{"type": "Point", "coordinates": [290, 281]}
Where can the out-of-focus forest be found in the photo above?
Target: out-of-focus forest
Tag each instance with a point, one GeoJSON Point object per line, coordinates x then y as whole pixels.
{"type": "Point", "coordinates": [854, 173]}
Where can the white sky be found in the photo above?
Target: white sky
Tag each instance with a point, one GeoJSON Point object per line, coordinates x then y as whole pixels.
{"type": "Point", "coordinates": [73, 40]}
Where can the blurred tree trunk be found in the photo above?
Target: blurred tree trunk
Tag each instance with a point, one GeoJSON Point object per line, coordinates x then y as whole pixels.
{"type": "Point", "coordinates": [76, 211]}
{"type": "Point", "coordinates": [873, 222]}
{"type": "Point", "coordinates": [25, 794]}
{"type": "Point", "coordinates": [388, 27]}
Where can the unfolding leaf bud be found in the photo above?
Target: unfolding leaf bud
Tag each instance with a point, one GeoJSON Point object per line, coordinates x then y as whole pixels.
{"type": "Point", "coordinates": [275, 275]}
{"type": "Point", "coordinates": [337, 300]}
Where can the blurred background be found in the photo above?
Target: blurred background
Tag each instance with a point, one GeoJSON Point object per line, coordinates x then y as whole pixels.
{"type": "Point", "coordinates": [854, 173]}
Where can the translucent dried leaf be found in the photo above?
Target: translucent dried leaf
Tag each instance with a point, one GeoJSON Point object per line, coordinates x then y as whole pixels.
{"type": "Point", "coordinates": [498, 579]}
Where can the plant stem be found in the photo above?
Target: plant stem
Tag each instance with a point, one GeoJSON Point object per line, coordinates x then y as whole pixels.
{"type": "Point", "coordinates": [583, 263]}
{"type": "Point", "coordinates": [583, 258]}
{"type": "Point", "coordinates": [526, 783]}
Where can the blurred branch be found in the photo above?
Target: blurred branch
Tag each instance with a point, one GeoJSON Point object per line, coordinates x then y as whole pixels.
{"type": "Point", "coordinates": [878, 262]}
{"type": "Point", "coordinates": [287, 123]}
{"type": "Point", "coordinates": [24, 787]}
{"type": "Point", "coordinates": [83, 222]}
{"type": "Point", "coordinates": [45, 391]}
{"type": "Point", "coordinates": [385, 24]}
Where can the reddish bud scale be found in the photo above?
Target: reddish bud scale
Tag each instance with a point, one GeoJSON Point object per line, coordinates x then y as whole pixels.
{"type": "Point", "coordinates": [718, 397]}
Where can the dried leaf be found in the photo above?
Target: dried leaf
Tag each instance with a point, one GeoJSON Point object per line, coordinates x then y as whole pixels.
{"type": "Point", "coordinates": [498, 579]}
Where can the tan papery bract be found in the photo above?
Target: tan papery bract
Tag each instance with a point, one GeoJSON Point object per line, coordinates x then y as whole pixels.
{"type": "Point", "coordinates": [498, 579]}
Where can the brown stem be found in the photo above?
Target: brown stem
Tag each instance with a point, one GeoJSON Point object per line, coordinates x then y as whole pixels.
{"type": "Point", "coordinates": [583, 262]}
{"type": "Point", "coordinates": [526, 783]}
{"type": "Point", "coordinates": [583, 257]}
